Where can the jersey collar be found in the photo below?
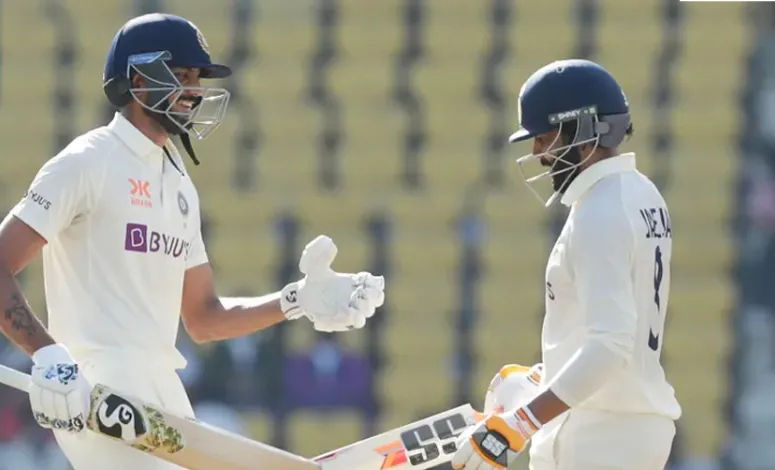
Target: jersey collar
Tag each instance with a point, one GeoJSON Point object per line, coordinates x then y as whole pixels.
{"type": "Point", "coordinates": [132, 137]}
{"type": "Point", "coordinates": [594, 173]}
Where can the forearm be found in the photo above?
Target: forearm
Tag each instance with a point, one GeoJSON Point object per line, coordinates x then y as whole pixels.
{"type": "Point", "coordinates": [547, 406]}
{"type": "Point", "coordinates": [18, 323]}
{"type": "Point", "coordinates": [232, 317]}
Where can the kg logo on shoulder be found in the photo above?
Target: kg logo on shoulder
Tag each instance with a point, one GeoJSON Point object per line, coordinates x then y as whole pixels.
{"type": "Point", "coordinates": [118, 418]}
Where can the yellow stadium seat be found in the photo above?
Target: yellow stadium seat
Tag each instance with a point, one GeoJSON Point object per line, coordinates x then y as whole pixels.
{"type": "Point", "coordinates": [682, 197]}
{"type": "Point", "coordinates": [705, 158]}
{"type": "Point", "coordinates": [244, 257]}
{"type": "Point", "coordinates": [412, 387]}
{"type": "Point", "coordinates": [702, 254]}
{"type": "Point", "coordinates": [412, 335]}
{"type": "Point", "coordinates": [617, 44]}
{"type": "Point", "coordinates": [361, 80]}
{"type": "Point", "coordinates": [435, 297]}
{"type": "Point", "coordinates": [276, 81]}
{"type": "Point", "coordinates": [26, 127]}
{"type": "Point", "coordinates": [102, 22]}
{"type": "Point", "coordinates": [697, 345]}
{"type": "Point", "coordinates": [327, 212]}
{"type": "Point", "coordinates": [259, 426]}
{"type": "Point", "coordinates": [557, 42]}
{"type": "Point", "coordinates": [509, 322]}
{"type": "Point", "coordinates": [428, 258]}
{"type": "Point", "coordinates": [301, 336]}
{"type": "Point", "coordinates": [515, 208]}
{"type": "Point", "coordinates": [517, 257]}
{"type": "Point", "coordinates": [313, 433]}
{"type": "Point", "coordinates": [420, 213]}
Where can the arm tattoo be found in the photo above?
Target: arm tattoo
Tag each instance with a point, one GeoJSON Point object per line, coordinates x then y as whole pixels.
{"type": "Point", "coordinates": [19, 315]}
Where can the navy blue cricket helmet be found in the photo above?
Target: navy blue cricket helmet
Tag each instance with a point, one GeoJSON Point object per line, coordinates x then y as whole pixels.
{"type": "Point", "coordinates": [584, 102]}
{"type": "Point", "coordinates": [151, 45]}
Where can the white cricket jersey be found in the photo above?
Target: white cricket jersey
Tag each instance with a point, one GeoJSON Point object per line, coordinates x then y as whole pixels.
{"type": "Point", "coordinates": [608, 275]}
{"type": "Point", "coordinates": [122, 224]}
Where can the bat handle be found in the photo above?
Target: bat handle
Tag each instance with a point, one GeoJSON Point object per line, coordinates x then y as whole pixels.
{"type": "Point", "coordinates": [14, 378]}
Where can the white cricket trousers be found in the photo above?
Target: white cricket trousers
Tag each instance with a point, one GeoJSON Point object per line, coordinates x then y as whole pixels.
{"type": "Point", "coordinates": [154, 383]}
{"type": "Point", "coordinates": [596, 440]}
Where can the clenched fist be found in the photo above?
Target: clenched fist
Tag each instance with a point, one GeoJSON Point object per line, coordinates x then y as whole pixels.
{"type": "Point", "coordinates": [332, 301]}
{"type": "Point", "coordinates": [59, 395]}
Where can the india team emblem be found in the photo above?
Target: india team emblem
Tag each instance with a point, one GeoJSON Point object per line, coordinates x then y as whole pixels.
{"type": "Point", "coordinates": [201, 39]}
{"type": "Point", "coordinates": [182, 204]}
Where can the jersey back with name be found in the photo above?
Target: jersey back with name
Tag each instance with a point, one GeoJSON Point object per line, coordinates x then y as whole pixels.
{"type": "Point", "coordinates": [629, 216]}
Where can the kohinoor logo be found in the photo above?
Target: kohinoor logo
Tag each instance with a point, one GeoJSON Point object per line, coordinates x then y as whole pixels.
{"type": "Point", "coordinates": [140, 193]}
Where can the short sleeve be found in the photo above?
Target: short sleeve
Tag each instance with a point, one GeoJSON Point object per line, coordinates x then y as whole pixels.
{"type": "Point", "coordinates": [602, 251]}
{"type": "Point", "coordinates": [197, 253]}
{"type": "Point", "coordinates": [58, 194]}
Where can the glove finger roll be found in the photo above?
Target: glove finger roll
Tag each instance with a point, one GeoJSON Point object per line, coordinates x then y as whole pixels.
{"type": "Point", "coordinates": [376, 297]}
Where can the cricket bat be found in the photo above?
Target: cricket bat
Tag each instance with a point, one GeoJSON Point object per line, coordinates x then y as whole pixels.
{"type": "Point", "coordinates": [195, 445]}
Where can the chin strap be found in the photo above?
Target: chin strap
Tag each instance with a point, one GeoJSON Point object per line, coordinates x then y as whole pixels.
{"type": "Point", "coordinates": [185, 139]}
{"type": "Point", "coordinates": [173, 129]}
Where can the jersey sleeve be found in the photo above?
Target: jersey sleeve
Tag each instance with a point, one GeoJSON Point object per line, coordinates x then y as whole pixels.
{"type": "Point", "coordinates": [602, 255]}
{"type": "Point", "coordinates": [60, 192]}
{"type": "Point", "coordinates": [602, 250]}
{"type": "Point", "coordinates": [197, 253]}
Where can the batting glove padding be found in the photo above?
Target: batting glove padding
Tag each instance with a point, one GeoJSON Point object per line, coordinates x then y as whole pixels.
{"type": "Point", "coordinates": [332, 301]}
{"type": "Point", "coordinates": [495, 443]}
{"type": "Point", "coordinates": [513, 386]}
{"type": "Point", "coordinates": [59, 395]}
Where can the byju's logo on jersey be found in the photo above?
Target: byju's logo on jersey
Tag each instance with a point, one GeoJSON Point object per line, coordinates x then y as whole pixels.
{"type": "Point", "coordinates": [38, 199]}
{"type": "Point", "coordinates": [141, 239]}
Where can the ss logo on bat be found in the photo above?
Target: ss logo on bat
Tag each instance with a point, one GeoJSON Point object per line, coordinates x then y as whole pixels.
{"type": "Point", "coordinates": [422, 443]}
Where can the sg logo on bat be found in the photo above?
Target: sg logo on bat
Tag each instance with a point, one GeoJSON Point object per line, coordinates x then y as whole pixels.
{"type": "Point", "coordinates": [427, 442]}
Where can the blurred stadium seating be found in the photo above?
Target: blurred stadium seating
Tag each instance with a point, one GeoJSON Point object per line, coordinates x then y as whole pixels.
{"type": "Point", "coordinates": [343, 108]}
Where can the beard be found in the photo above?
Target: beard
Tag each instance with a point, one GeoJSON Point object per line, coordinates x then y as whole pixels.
{"type": "Point", "coordinates": [565, 169]}
{"type": "Point", "coordinates": [163, 119]}
{"type": "Point", "coordinates": [174, 124]}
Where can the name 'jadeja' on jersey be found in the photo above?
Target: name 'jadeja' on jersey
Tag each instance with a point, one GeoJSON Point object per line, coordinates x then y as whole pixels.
{"type": "Point", "coordinates": [657, 222]}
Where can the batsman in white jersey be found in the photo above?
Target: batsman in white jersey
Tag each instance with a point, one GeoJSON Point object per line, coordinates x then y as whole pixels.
{"type": "Point", "coordinates": [599, 400]}
{"type": "Point", "coordinates": [116, 217]}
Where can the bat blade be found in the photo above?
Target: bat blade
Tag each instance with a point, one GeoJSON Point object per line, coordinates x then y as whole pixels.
{"type": "Point", "coordinates": [423, 444]}
{"type": "Point", "coordinates": [190, 443]}
{"type": "Point", "coordinates": [195, 445]}
{"type": "Point", "coordinates": [184, 441]}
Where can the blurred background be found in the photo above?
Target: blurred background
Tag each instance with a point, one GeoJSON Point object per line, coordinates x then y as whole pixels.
{"type": "Point", "coordinates": [383, 124]}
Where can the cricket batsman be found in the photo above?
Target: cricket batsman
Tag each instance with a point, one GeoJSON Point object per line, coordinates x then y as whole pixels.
{"type": "Point", "coordinates": [117, 219]}
{"type": "Point", "coordinates": [599, 399]}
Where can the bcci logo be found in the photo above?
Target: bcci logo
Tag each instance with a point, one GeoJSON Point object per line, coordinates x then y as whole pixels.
{"type": "Point", "coordinates": [182, 204]}
{"type": "Point", "coordinates": [201, 39]}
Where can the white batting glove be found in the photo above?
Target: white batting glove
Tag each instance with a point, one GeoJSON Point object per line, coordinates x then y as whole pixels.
{"type": "Point", "coordinates": [514, 385]}
{"type": "Point", "coordinates": [59, 395]}
{"type": "Point", "coordinates": [332, 301]}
